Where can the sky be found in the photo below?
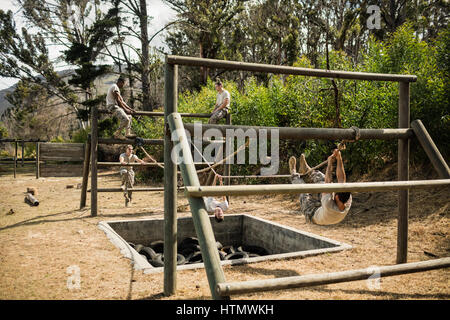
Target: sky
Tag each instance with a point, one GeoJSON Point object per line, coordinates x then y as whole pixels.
{"type": "Point", "coordinates": [160, 12]}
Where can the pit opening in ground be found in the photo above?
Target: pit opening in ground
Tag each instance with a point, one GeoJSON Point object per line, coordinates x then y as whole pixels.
{"type": "Point", "coordinates": [281, 242]}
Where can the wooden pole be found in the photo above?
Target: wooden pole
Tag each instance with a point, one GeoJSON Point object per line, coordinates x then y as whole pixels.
{"type": "Point", "coordinates": [15, 159]}
{"type": "Point", "coordinates": [117, 164]}
{"type": "Point", "coordinates": [403, 174]}
{"type": "Point", "coordinates": [86, 163]}
{"type": "Point", "coordinates": [130, 141]}
{"type": "Point", "coordinates": [159, 142]}
{"type": "Point", "coordinates": [161, 114]}
{"type": "Point", "coordinates": [200, 216]}
{"type": "Point", "coordinates": [314, 133]}
{"type": "Point", "coordinates": [245, 190]}
{"type": "Point", "coordinates": [23, 152]}
{"type": "Point", "coordinates": [276, 69]}
{"type": "Point", "coordinates": [227, 168]}
{"type": "Point", "coordinates": [170, 184]}
{"type": "Point", "coordinates": [94, 155]}
{"type": "Point", "coordinates": [232, 288]}
{"type": "Point", "coordinates": [38, 168]}
{"type": "Point", "coordinates": [272, 176]}
{"type": "Point", "coordinates": [133, 189]}
{"type": "Point", "coordinates": [149, 164]}
{"type": "Point", "coordinates": [430, 149]}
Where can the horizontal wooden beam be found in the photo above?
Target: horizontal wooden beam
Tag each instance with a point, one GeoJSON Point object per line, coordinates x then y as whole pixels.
{"type": "Point", "coordinates": [244, 190]}
{"type": "Point", "coordinates": [133, 189]}
{"type": "Point", "coordinates": [150, 164]}
{"type": "Point", "coordinates": [161, 114]}
{"type": "Point", "coordinates": [314, 133]}
{"type": "Point", "coordinates": [277, 69]}
{"type": "Point", "coordinates": [20, 140]}
{"type": "Point", "coordinates": [159, 142]}
{"type": "Point", "coordinates": [130, 141]}
{"type": "Point", "coordinates": [233, 288]}
{"type": "Point", "coordinates": [273, 176]}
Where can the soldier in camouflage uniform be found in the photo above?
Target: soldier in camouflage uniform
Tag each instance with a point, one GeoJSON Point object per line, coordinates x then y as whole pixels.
{"type": "Point", "coordinates": [329, 208]}
{"type": "Point", "coordinates": [127, 173]}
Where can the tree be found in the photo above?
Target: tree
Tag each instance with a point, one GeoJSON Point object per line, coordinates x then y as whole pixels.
{"type": "Point", "coordinates": [201, 27]}
{"type": "Point", "coordinates": [25, 56]}
{"type": "Point", "coordinates": [83, 29]}
{"type": "Point", "coordinates": [142, 64]}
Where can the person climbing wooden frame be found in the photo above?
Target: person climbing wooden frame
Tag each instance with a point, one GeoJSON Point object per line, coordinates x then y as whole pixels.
{"type": "Point", "coordinates": [332, 207]}
{"type": "Point", "coordinates": [222, 103]}
{"type": "Point", "coordinates": [116, 104]}
{"type": "Point", "coordinates": [127, 173]}
{"type": "Point", "coordinates": [215, 206]}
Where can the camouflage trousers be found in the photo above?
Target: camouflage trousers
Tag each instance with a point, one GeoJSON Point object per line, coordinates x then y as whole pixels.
{"type": "Point", "coordinates": [309, 203]}
{"type": "Point", "coordinates": [124, 118]}
{"type": "Point", "coordinates": [217, 115]}
{"type": "Point", "coordinates": [127, 182]}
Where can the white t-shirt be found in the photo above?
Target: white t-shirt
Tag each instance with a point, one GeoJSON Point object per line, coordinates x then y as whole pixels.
{"type": "Point", "coordinates": [110, 99]}
{"type": "Point", "coordinates": [329, 212]}
{"type": "Point", "coordinates": [131, 159]}
{"type": "Point", "coordinates": [221, 98]}
{"type": "Point", "coordinates": [212, 203]}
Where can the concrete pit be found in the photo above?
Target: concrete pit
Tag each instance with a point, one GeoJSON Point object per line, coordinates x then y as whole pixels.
{"type": "Point", "coordinates": [280, 241]}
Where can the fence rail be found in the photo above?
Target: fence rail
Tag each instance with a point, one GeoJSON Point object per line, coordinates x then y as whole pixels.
{"type": "Point", "coordinates": [267, 68]}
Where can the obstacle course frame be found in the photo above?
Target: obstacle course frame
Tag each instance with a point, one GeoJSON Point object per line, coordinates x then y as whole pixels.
{"type": "Point", "coordinates": [173, 124]}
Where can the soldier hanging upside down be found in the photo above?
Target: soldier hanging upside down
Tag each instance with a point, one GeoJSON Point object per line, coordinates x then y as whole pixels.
{"type": "Point", "coordinates": [215, 206]}
{"type": "Point", "coordinates": [332, 207]}
{"type": "Point", "coordinates": [127, 173]}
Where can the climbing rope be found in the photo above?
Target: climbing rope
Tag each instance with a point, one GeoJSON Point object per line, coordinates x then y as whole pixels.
{"type": "Point", "coordinates": [225, 159]}
{"type": "Point", "coordinates": [341, 146]}
{"type": "Point", "coordinates": [151, 158]}
{"type": "Point", "coordinates": [206, 161]}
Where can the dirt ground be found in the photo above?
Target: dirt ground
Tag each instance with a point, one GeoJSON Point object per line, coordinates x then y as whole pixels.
{"type": "Point", "coordinates": [39, 245]}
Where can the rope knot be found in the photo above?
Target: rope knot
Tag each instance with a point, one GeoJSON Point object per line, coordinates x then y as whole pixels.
{"type": "Point", "coordinates": [357, 133]}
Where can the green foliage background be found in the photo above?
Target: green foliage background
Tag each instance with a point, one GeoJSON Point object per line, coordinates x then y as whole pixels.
{"type": "Point", "coordinates": [297, 101]}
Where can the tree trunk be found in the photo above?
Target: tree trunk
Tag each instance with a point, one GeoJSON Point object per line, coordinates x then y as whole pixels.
{"type": "Point", "coordinates": [145, 57]}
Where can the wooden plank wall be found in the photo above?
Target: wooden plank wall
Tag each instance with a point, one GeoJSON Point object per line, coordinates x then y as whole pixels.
{"type": "Point", "coordinates": [62, 151]}
{"type": "Point", "coordinates": [55, 159]}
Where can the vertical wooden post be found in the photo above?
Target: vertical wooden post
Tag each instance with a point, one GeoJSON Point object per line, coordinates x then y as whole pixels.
{"type": "Point", "coordinates": [94, 148]}
{"type": "Point", "coordinates": [23, 148]}
{"type": "Point", "coordinates": [15, 158]}
{"type": "Point", "coordinates": [403, 174]}
{"type": "Point", "coordinates": [86, 163]}
{"type": "Point", "coordinates": [170, 184]}
{"type": "Point", "coordinates": [227, 168]}
{"type": "Point", "coordinates": [38, 168]}
{"type": "Point", "coordinates": [202, 222]}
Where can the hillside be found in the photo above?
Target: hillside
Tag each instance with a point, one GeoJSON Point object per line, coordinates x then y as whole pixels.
{"type": "Point", "coordinates": [101, 85]}
{"type": "Point", "coordinates": [4, 104]}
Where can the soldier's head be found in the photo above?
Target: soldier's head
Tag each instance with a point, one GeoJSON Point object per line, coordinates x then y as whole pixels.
{"type": "Point", "coordinates": [120, 82]}
{"type": "Point", "coordinates": [341, 198]}
{"type": "Point", "coordinates": [219, 85]}
{"type": "Point", "coordinates": [218, 214]}
{"type": "Point", "coordinates": [129, 150]}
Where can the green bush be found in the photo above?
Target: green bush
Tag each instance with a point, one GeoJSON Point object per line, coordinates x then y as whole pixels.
{"type": "Point", "coordinates": [58, 139]}
{"type": "Point", "coordinates": [81, 136]}
{"type": "Point", "coordinates": [3, 132]}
